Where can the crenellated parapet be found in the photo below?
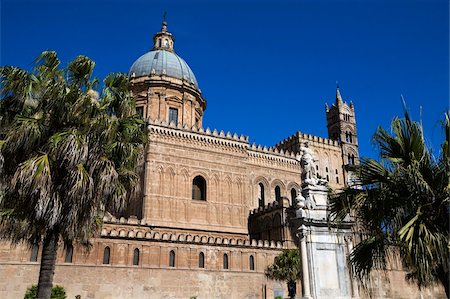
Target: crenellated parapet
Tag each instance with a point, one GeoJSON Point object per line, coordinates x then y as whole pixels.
{"type": "Point", "coordinates": [198, 136]}
{"type": "Point", "coordinates": [273, 157]}
{"type": "Point", "coordinates": [132, 228]}
{"type": "Point", "coordinates": [291, 141]}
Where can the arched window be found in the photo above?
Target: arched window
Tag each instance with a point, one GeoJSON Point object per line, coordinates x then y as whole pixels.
{"type": "Point", "coordinates": [317, 167]}
{"type": "Point", "coordinates": [136, 257]}
{"type": "Point", "coordinates": [326, 169]}
{"type": "Point", "coordinates": [199, 188]}
{"type": "Point", "coordinates": [349, 158]}
{"type": "Point", "coordinates": [337, 180]}
{"type": "Point", "coordinates": [106, 254]}
{"type": "Point", "coordinates": [353, 159]}
{"type": "Point", "coordinates": [172, 258]}
{"type": "Point", "coordinates": [34, 252]}
{"type": "Point", "coordinates": [350, 137]}
{"type": "Point", "coordinates": [261, 195]}
{"type": "Point", "coordinates": [251, 262]}
{"type": "Point", "coordinates": [336, 171]}
{"type": "Point", "coordinates": [69, 254]}
{"type": "Point", "coordinates": [328, 178]}
{"type": "Point", "coordinates": [201, 260]}
{"type": "Point", "coordinates": [277, 193]}
{"type": "Point", "coordinates": [225, 261]}
{"type": "Point", "coordinates": [293, 196]}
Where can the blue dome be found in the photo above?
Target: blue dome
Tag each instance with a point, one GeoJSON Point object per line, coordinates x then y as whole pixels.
{"type": "Point", "coordinates": [161, 62]}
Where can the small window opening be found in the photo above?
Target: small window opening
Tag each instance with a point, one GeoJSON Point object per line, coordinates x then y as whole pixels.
{"type": "Point", "coordinates": [199, 188]}
{"type": "Point", "coordinates": [201, 260]}
{"type": "Point", "coordinates": [140, 111]}
{"type": "Point", "coordinates": [69, 254]}
{"type": "Point", "coordinates": [136, 257]}
{"type": "Point", "coordinates": [172, 258]}
{"type": "Point", "coordinates": [173, 115]}
{"type": "Point", "coordinates": [106, 254]}
{"type": "Point", "coordinates": [293, 196]}
{"type": "Point", "coordinates": [34, 252]}
{"type": "Point", "coordinates": [277, 193]}
{"type": "Point", "coordinates": [252, 263]}
{"type": "Point", "coordinates": [261, 195]}
{"type": "Point", "coordinates": [225, 261]}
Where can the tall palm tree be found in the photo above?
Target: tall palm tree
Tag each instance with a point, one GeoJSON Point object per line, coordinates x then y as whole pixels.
{"type": "Point", "coordinates": [67, 154]}
{"type": "Point", "coordinates": [402, 202]}
{"type": "Point", "coordinates": [286, 267]}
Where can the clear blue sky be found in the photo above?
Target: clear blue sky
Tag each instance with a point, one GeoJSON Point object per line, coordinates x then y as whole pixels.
{"type": "Point", "coordinates": [266, 68]}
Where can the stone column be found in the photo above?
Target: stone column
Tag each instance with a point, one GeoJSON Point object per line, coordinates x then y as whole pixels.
{"type": "Point", "coordinates": [304, 259]}
{"type": "Point", "coordinates": [354, 283]}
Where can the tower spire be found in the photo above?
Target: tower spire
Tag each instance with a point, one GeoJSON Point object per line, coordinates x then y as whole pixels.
{"type": "Point", "coordinates": [338, 94]}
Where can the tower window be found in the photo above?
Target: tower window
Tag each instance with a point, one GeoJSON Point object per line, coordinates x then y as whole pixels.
{"type": "Point", "coordinates": [317, 167]}
{"type": "Point", "coordinates": [277, 193]}
{"type": "Point", "coordinates": [328, 178]}
{"type": "Point", "coordinates": [172, 258]}
{"type": "Point", "coordinates": [225, 261]}
{"type": "Point", "coordinates": [136, 257]}
{"type": "Point", "coordinates": [69, 254]}
{"type": "Point", "coordinates": [261, 195]}
{"type": "Point", "coordinates": [201, 260]}
{"type": "Point", "coordinates": [336, 171]}
{"type": "Point", "coordinates": [326, 169]}
{"type": "Point", "coordinates": [251, 262]}
{"type": "Point", "coordinates": [173, 115]}
{"type": "Point", "coordinates": [337, 180]}
{"type": "Point", "coordinates": [106, 255]}
{"type": "Point", "coordinates": [199, 188]}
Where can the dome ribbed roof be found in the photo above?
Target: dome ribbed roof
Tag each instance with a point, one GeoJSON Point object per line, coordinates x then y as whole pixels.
{"type": "Point", "coordinates": [162, 62]}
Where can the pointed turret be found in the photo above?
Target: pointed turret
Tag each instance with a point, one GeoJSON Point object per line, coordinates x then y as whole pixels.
{"type": "Point", "coordinates": [338, 96]}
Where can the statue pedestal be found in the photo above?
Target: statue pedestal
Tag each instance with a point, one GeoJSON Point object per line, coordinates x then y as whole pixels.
{"type": "Point", "coordinates": [323, 249]}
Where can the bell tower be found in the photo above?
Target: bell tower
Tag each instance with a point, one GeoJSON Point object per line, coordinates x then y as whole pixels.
{"type": "Point", "coordinates": [341, 124]}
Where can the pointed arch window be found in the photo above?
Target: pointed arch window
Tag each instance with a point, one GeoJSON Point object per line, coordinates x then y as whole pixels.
{"type": "Point", "coordinates": [225, 261]}
{"type": "Point", "coordinates": [106, 255]}
{"type": "Point", "coordinates": [136, 256]}
{"type": "Point", "coordinates": [172, 258]}
{"type": "Point", "coordinates": [201, 260]}
{"type": "Point", "coordinates": [199, 188]}
{"type": "Point", "coordinates": [251, 263]}
{"type": "Point", "coordinates": [69, 254]}
{"type": "Point", "coordinates": [261, 200]}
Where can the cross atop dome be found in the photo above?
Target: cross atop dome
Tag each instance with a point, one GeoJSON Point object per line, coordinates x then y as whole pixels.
{"type": "Point", "coordinates": [163, 40]}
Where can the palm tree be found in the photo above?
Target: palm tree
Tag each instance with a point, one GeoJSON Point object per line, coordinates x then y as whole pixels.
{"type": "Point", "coordinates": [68, 154]}
{"type": "Point", "coordinates": [402, 202]}
{"type": "Point", "coordinates": [286, 267]}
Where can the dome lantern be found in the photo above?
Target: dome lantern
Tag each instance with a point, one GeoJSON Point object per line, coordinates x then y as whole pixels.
{"type": "Point", "coordinates": [163, 40]}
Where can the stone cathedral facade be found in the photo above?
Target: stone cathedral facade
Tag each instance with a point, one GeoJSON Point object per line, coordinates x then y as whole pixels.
{"type": "Point", "coordinates": [215, 210]}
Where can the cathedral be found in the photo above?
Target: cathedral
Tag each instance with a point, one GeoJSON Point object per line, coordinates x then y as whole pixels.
{"type": "Point", "coordinates": [215, 210]}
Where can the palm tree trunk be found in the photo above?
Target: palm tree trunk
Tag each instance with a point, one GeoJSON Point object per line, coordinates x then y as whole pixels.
{"type": "Point", "coordinates": [47, 269]}
{"type": "Point", "coordinates": [443, 277]}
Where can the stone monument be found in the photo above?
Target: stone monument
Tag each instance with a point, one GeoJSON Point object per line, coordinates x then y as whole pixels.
{"type": "Point", "coordinates": [323, 249]}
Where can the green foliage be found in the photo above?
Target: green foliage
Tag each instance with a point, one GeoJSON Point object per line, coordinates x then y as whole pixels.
{"type": "Point", "coordinates": [402, 204]}
{"type": "Point", "coordinates": [58, 292]}
{"type": "Point", "coordinates": [286, 266]}
{"type": "Point", "coordinates": [279, 297]}
{"type": "Point", "coordinates": [68, 152]}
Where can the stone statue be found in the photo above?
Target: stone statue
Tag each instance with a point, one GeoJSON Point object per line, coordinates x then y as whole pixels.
{"type": "Point", "coordinates": [307, 162]}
